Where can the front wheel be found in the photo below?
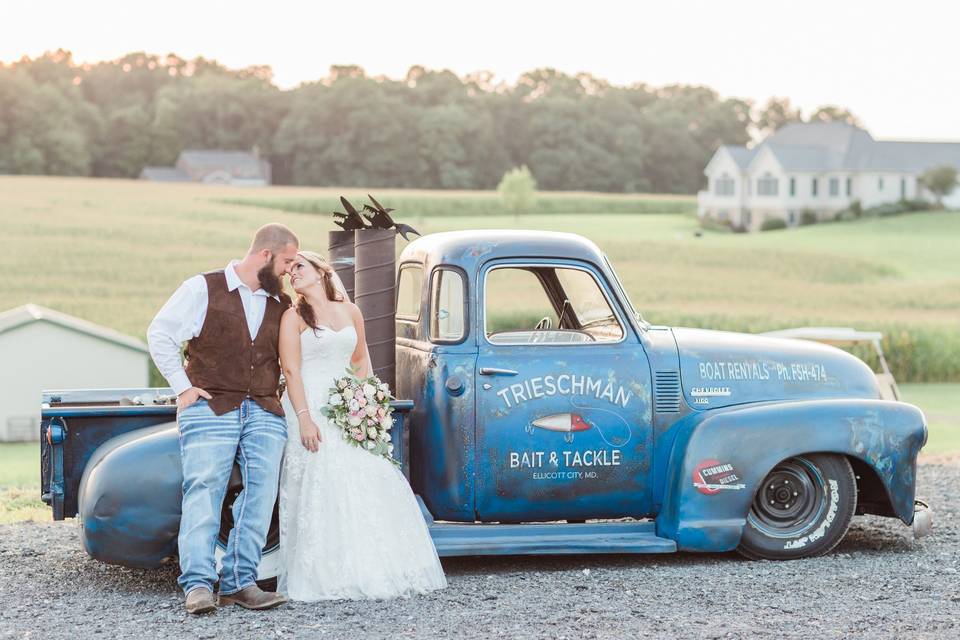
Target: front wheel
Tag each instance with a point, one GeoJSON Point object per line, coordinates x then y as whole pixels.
{"type": "Point", "coordinates": [802, 509]}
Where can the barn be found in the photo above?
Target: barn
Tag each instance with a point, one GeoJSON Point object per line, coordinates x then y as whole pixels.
{"type": "Point", "coordinates": [44, 349]}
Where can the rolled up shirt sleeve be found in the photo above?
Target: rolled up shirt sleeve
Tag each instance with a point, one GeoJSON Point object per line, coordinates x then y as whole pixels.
{"type": "Point", "coordinates": [179, 320]}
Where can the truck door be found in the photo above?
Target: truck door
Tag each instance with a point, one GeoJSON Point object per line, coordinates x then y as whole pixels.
{"type": "Point", "coordinates": [563, 417]}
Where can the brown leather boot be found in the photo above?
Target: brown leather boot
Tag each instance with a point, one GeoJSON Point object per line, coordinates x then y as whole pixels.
{"type": "Point", "coordinates": [200, 600]}
{"type": "Point", "coordinates": [252, 597]}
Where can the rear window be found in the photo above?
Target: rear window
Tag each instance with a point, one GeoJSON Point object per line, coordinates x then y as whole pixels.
{"type": "Point", "coordinates": [447, 316]}
{"type": "Point", "coordinates": [408, 292]}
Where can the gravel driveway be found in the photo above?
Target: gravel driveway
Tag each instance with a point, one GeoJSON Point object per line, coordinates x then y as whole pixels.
{"type": "Point", "coordinates": [878, 583]}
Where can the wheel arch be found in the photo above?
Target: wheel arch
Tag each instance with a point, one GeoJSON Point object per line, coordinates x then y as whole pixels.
{"type": "Point", "coordinates": [880, 438]}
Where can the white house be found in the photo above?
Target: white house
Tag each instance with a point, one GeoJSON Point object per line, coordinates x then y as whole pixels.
{"type": "Point", "coordinates": [817, 167]}
{"type": "Point", "coordinates": [44, 349]}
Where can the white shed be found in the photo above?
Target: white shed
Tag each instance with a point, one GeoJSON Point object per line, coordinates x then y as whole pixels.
{"type": "Point", "coordinates": [44, 349]}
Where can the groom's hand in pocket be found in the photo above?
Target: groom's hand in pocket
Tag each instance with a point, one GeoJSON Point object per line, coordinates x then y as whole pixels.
{"type": "Point", "coordinates": [310, 435]}
{"type": "Point", "coordinates": [190, 396]}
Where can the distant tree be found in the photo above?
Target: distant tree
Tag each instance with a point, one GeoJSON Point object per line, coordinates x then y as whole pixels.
{"type": "Point", "coordinates": [833, 113]}
{"type": "Point", "coordinates": [940, 181]}
{"type": "Point", "coordinates": [518, 190]}
{"type": "Point", "coordinates": [776, 113]}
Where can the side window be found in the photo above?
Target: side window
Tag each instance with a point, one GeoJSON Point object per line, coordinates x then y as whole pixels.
{"type": "Point", "coordinates": [408, 292]}
{"type": "Point", "coordinates": [547, 305]}
{"type": "Point", "coordinates": [447, 319]}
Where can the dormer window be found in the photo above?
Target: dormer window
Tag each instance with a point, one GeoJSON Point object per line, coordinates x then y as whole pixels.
{"type": "Point", "coordinates": [767, 185]}
{"type": "Point", "coordinates": [724, 186]}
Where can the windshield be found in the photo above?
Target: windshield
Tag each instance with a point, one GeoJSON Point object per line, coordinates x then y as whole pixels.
{"type": "Point", "coordinates": [623, 293]}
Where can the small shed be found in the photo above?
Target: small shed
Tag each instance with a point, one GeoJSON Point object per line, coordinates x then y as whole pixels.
{"type": "Point", "coordinates": [44, 349]}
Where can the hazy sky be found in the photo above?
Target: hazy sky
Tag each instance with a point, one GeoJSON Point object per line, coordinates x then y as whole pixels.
{"type": "Point", "coordinates": [894, 64]}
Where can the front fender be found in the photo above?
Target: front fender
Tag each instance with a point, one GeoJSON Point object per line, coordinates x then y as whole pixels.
{"type": "Point", "coordinates": [129, 498]}
{"type": "Point", "coordinates": [752, 439]}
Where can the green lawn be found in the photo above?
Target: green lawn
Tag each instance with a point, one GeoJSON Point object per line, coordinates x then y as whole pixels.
{"type": "Point", "coordinates": [20, 483]}
{"type": "Point", "coordinates": [941, 405]}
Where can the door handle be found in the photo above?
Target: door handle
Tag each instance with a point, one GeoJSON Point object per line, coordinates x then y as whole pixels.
{"type": "Point", "coordinates": [494, 371]}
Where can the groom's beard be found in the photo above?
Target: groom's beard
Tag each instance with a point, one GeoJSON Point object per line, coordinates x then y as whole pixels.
{"type": "Point", "coordinates": [269, 281]}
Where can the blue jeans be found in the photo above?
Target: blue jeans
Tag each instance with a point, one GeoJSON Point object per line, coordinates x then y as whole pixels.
{"type": "Point", "coordinates": [209, 444]}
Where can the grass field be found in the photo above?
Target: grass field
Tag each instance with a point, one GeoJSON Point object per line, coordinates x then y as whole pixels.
{"type": "Point", "coordinates": [111, 251]}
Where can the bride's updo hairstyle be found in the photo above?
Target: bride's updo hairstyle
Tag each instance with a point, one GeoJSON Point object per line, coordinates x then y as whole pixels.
{"type": "Point", "coordinates": [324, 270]}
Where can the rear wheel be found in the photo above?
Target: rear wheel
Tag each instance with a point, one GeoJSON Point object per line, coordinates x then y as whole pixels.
{"type": "Point", "coordinates": [802, 509]}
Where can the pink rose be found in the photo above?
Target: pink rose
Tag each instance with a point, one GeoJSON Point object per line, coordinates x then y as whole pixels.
{"type": "Point", "coordinates": [358, 395]}
{"type": "Point", "coordinates": [363, 402]}
{"type": "Point", "coordinates": [381, 412]}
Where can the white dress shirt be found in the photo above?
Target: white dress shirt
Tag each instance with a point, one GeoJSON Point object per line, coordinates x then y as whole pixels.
{"type": "Point", "coordinates": [181, 319]}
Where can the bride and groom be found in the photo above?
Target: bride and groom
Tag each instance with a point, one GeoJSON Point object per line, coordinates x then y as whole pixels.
{"type": "Point", "coordinates": [350, 526]}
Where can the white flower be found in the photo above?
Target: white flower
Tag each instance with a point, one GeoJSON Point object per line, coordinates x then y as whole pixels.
{"type": "Point", "coordinates": [385, 436]}
{"type": "Point", "coordinates": [369, 390]}
{"type": "Point", "coordinates": [354, 421]}
{"type": "Point", "coordinates": [342, 383]}
{"type": "Point", "coordinates": [370, 445]}
{"type": "Point", "coordinates": [383, 386]}
{"type": "Point", "coordinates": [390, 448]}
{"type": "Point", "coordinates": [386, 422]}
{"type": "Point", "coordinates": [335, 400]}
{"type": "Point", "coordinates": [354, 404]}
{"type": "Point", "coordinates": [370, 410]}
{"type": "Point", "coordinates": [371, 432]}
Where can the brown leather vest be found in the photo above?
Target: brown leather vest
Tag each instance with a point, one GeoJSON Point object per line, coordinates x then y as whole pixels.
{"type": "Point", "coordinates": [223, 360]}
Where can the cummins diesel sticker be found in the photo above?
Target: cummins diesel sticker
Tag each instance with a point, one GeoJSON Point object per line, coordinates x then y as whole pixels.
{"type": "Point", "coordinates": [710, 477]}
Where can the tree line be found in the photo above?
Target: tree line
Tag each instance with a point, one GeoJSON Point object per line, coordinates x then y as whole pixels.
{"type": "Point", "coordinates": [431, 129]}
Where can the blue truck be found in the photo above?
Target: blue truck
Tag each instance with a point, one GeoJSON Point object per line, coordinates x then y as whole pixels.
{"type": "Point", "coordinates": [541, 414]}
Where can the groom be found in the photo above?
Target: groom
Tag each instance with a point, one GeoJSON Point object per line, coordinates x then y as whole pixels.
{"type": "Point", "coordinates": [227, 410]}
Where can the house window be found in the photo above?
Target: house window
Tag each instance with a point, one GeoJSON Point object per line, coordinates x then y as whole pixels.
{"type": "Point", "coordinates": [834, 187]}
{"type": "Point", "coordinates": [813, 188]}
{"type": "Point", "coordinates": [880, 183]}
{"type": "Point", "coordinates": [793, 187]}
{"type": "Point", "coordinates": [724, 186]}
{"type": "Point", "coordinates": [903, 188]}
{"type": "Point", "coordinates": [767, 185]}
{"type": "Point", "coordinates": [849, 186]}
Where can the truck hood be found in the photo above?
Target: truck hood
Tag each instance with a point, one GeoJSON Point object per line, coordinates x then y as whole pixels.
{"type": "Point", "coordinates": [719, 369]}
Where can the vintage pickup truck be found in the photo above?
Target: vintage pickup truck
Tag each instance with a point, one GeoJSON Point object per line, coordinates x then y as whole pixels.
{"type": "Point", "coordinates": [541, 414]}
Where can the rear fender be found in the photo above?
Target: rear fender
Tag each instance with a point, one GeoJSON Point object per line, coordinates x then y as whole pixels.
{"type": "Point", "coordinates": [720, 457]}
{"type": "Point", "coordinates": [129, 498]}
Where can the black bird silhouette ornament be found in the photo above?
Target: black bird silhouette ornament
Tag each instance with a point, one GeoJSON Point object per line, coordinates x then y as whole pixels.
{"type": "Point", "coordinates": [379, 218]}
{"type": "Point", "coordinates": [351, 220]}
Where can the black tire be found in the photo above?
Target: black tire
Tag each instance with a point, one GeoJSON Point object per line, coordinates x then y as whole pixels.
{"type": "Point", "coordinates": [802, 509]}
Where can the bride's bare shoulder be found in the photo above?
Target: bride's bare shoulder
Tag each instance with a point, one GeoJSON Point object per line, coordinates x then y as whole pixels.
{"type": "Point", "coordinates": [291, 319]}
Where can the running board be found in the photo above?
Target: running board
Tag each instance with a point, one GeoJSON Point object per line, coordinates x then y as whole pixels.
{"type": "Point", "coordinates": [453, 539]}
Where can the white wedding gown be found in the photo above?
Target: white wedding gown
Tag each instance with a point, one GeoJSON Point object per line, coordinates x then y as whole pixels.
{"type": "Point", "coordinates": [350, 526]}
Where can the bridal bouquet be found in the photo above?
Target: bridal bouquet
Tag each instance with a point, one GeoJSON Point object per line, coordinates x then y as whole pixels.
{"type": "Point", "coordinates": [360, 408]}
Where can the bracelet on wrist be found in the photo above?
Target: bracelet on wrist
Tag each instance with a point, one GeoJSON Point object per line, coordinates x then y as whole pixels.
{"type": "Point", "coordinates": [302, 411]}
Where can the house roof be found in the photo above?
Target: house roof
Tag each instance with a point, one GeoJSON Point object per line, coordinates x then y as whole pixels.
{"type": "Point", "coordinates": [215, 159]}
{"type": "Point", "coordinates": [29, 313]}
{"type": "Point", "coordinates": [163, 174]}
{"type": "Point", "coordinates": [838, 146]}
{"type": "Point", "coordinates": [741, 155]}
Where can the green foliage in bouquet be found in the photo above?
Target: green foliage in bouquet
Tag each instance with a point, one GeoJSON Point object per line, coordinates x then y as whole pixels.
{"type": "Point", "coordinates": [360, 408]}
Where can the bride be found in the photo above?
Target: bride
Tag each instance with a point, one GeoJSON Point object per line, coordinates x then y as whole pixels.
{"type": "Point", "coordinates": [350, 526]}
